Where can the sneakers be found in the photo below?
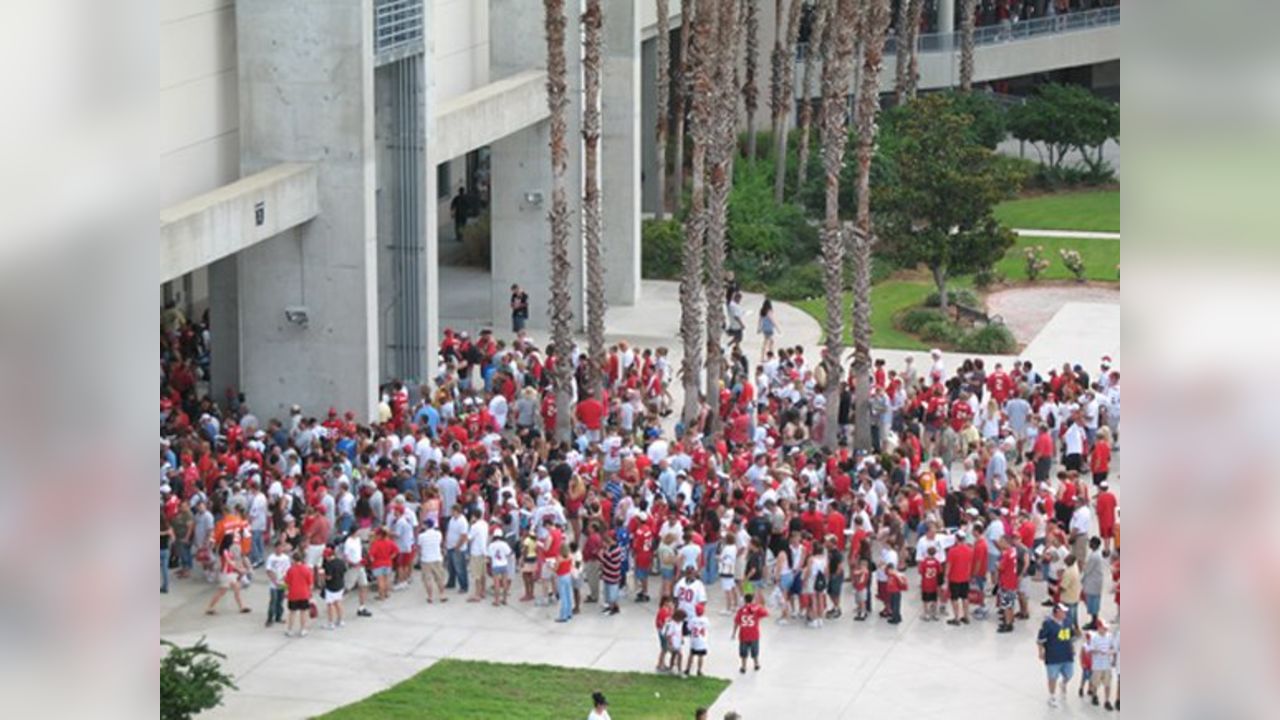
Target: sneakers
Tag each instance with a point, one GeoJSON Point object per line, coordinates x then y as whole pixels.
{"type": "Point", "coordinates": [1108, 705]}
{"type": "Point", "coordinates": [364, 612]}
{"type": "Point", "coordinates": [1053, 701]}
{"type": "Point", "coordinates": [302, 633]}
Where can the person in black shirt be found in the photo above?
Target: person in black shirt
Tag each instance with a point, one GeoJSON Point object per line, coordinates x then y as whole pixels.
{"type": "Point", "coordinates": [519, 308]}
{"type": "Point", "coordinates": [458, 209]}
{"type": "Point", "coordinates": [1056, 650]}
{"type": "Point", "coordinates": [333, 574]}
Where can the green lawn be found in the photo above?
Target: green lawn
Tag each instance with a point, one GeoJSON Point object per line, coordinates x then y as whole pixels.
{"type": "Point", "coordinates": [891, 296]}
{"type": "Point", "coordinates": [1100, 259]}
{"type": "Point", "coordinates": [1091, 210]}
{"type": "Point", "coordinates": [467, 689]}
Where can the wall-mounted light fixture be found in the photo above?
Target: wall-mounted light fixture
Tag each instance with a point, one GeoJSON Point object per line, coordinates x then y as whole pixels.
{"type": "Point", "coordinates": [533, 197]}
{"type": "Point", "coordinates": [297, 314]}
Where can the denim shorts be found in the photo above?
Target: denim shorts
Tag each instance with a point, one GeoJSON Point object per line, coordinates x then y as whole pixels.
{"type": "Point", "coordinates": [381, 572]}
{"type": "Point", "coordinates": [1059, 670]}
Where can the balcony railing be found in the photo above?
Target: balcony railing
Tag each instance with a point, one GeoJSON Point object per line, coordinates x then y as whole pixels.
{"type": "Point", "coordinates": [1000, 33]}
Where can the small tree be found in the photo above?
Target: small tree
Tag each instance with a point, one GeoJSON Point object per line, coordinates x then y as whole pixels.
{"type": "Point", "coordinates": [1033, 256]}
{"type": "Point", "coordinates": [938, 211]}
{"type": "Point", "coordinates": [191, 680]}
{"type": "Point", "coordinates": [1061, 118]}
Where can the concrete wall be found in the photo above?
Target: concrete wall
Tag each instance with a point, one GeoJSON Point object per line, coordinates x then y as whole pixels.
{"type": "Point", "coordinates": [306, 95]}
{"type": "Point", "coordinates": [620, 147]}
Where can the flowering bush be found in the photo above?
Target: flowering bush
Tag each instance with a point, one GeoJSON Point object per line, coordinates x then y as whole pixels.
{"type": "Point", "coordinates": [1074, 263]}
{"type": "Point", "coordinates": [1036, 264]}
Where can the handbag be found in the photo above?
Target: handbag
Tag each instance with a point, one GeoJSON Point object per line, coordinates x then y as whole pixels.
{"type": "Point", "coordinates": [820, 582]}
{"type": "Point", "coordinates": [312, 610]}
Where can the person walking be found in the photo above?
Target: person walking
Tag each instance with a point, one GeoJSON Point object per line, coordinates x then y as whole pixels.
{"type": "Point", "coordinates": [1056, 652]}
{"type": "Point", "coordinates": [166, 547]}
{"type": "Point", "coordinates": [299, 581]}
{"type": "Point", "coordinates": [458, 208]}
{"type": "Point", "coordinates": [767, 326]}
{"type": "Point", "coordinates": [519, 308]}
{"type": "Point", "coordinates": [230, 571]}
{"type": "Point", "coordinates": [564, 583]}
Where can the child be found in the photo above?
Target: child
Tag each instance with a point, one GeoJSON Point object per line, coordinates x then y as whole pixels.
{"type": "Point", "coordinates": [728, 568]}
{"type": "Point", "coordinates": [861, 586]}
{"type": "Point", "coordinates": [666, 607]}
{"type": "Point", "coordinates": [528, 563]}
{"type": "Point", "coordinates": [895, 584]}
{"type": "Point", "coordinates": [1086, 668]}
{"type": "Point", "coordinates": [930, 569]}
{"type": "Point", "coordinates": [673, 631]}
{"type": "Point", "coordinates": [698, 628]}
{"type": "Point", "coordinates": [746, 627]}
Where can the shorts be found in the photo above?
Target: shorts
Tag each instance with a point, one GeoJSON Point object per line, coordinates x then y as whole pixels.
{"type": "Point", "coordinates": [1072, 462]}
{"type": "Point", "coordinates": [381, 572]}
{"type": "Point", "coordinates": [315, 554]}
{"type": "Point", "coordinates": [662, 642]}
{"type": "Point", "coordinates": [1042, 469]}
{"type": "Point", "coordinates": [357, 577]}
{"type": "Point", "coordinates": [404, 559]}
{"type": "Point", "coordinates": [529, 566]}
{"type": "Point", "coordinates": [299, 604]}
{"type": "Point", "coordinates": [698, 653]}
{"type": "Point", "coordinates": [434, 572]}
{"type": "Point", "coordinates": [476, 566]}
{"type": "Point", "coordinates": [727, 582]}
{"type": "Point", "coordinates": [751, 648]}
{"type": "Point", "coordinates": [1005, 599]}
{"type": "Point", "coordinates": [668, 573]}
{"type": "Point", "coordinates": [834, 586]}
{"type": "Point", "coordinates": [502, 572]}
{"type": "Point", "coordinates": [959, 590]}
{"type": "Point", "coordinates": [929, 596]}
{"type": "Point", "coordinates": [1062, 671]}
{"type": "Point", "coordinates": [332, 596]}
{"type": "Point", "coordinates": [228, 580]}
{"type": "Point", "coordinates": [1102, 677]}
{"type": "Point", "coordinates": [1024, 585]}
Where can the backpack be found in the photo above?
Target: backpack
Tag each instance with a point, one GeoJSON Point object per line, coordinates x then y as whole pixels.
{"type": "Point", "coordinates": [820, 582]}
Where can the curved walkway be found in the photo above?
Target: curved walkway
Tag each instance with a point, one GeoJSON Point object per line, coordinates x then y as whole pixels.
{"type": "Point", "coordinates": [1068, 234]}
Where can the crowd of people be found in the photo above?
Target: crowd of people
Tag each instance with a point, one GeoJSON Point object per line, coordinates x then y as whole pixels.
{"type": "Point", "coordinates": [987, 486]}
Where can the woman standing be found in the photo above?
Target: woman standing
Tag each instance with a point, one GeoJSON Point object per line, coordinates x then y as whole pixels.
{"type": "Point", "coordinates": [768, 327]}
{"type": "Point", "coordinates": [564, 583]}
{"type": "Point", "coordinates": [166, 544]}
{"type": "Point", "coordinates": [230, 571]}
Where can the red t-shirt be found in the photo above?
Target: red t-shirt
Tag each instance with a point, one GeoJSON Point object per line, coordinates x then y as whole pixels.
{"type": "Point", "coordinates": [836, 526]}
{"type": "Point", "coordinates": [980, 552]}
{"type": "Point", "coordinates": [960, 563]}
{"type": "Point", "coordinates": [664, 614]}
{"type": "Point", "coordinates": [564, 566]}
{"type": "Point", "coordinates": [298, 580]}
{"type": "Point", "coordinates": [930, 570]}
{"type": "Point", "coordinates": [999, 384]}
{"type": "Point", "coordinates": [642, 544]}
{"type": "Point", "coordinates": [747, 620]}
{"type": "Point", "coordinates": [590, 412]}
{"type": "Point", "coordinates": [382, 552]}
{"type": "Point", "coordinates": [1008, 569]}
{"type": "Point", "coordinates": [1106, 510]}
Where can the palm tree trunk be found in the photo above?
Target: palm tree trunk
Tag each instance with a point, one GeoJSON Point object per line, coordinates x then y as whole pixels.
{"type": "Point", "coordinates": [835, 90]}
{"type": "Point", "coordinates": [966, 44]}
{"type": "Point", "coordinates": [723, 149]}
{"type": "Point", "coordinates": [913, 39]}
{"type": "Point", "coordinates": [875, 25]}
{"type": "Point", "coordinates": [663, 88]}
{"type": "Point", "coordinates": [902, 57]}
{"type": "Point", "coordinates": [751, 25]}
{"type": "Point", "coordinates": [817, 47]}
{"type": "Point", "coordinates": [592, 22]}
{"type": "Point", "coordinates": [560, 306]}
{"type": "Point", "coordinates": [783, 96]}
{"type": "Point", "coordinates": [699, 69]}
{"type": "Point", "coordinates": [683, 95]}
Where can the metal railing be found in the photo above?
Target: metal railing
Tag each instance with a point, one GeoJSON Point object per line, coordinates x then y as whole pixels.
{"type": "Point", "coordinates": [1011, 32]}
{"type": "Point", "coordinates": [397, 29]}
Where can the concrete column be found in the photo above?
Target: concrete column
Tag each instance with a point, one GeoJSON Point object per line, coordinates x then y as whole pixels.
{"type": "Point", "coordinates": [517, 43]}
{"type": "Point", "coordinates": [620, 150]}
{"type": "Point", "coordinates": [224, 326]}
{"type": "Point", "coordinates": [946, 16]}
{"type": "Point", "coordinates": [306, 94]}
{"type": "Point", "coordinates": [648, 125]}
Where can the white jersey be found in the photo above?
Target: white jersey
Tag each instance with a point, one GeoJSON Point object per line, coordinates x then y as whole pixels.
{"type": "Point", "coordinates": [690, 594]}
{"type": "Point", "coordinates": [698, 630]}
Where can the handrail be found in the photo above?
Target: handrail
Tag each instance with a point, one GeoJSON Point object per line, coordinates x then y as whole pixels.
{"type": "Point", "coordinates": [1000, 33]}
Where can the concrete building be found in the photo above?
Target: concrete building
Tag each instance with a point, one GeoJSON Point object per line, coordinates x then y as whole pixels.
{"type": "Point", "coordinates": [312, 151]}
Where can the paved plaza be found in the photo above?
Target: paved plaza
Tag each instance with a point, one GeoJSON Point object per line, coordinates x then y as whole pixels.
{"type": "Point", "coordinates": [847, 669]}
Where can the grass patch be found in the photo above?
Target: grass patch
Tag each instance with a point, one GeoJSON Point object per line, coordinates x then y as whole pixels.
{"type": "Point", "coordinates": [469, 689]}
{"type": "Point", "coordinates": [903, 292]}
{"type": "Point", "coordinates": [1100, 259]}
{"type": "Point", "coordinates": [1089, 210]}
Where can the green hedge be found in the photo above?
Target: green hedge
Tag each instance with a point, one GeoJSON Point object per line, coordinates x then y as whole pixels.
{"type": "Point", "coordinates": [959, 296]}
{"type": "Point", "coordinates": [798, 283]}
{"type": "Point", "coordinates": [660, 248]}
{"type": "Point", "coordinates": [989, 340]}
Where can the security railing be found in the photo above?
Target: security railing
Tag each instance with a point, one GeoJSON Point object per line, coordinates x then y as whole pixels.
{"type": "Point", "coordinates": [1007, 32]}
{"type": "Point", "coordinates": [397, 29]}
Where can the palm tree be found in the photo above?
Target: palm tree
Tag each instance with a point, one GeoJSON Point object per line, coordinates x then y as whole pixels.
{"type": "Point", "coordinates": [592, 23]}
{"type": "Point", "coordinates": [966, 43]}
{"type": "Point", "coordinates": [663, 87]}
{"type": "Point", "coordinates": [722, 150]}
{"type": "Point", "coordinates": [817, 47]}
{"type": "Point", "coordinates": [835, 90]}
{"type": "Point", "coordinates": [560, 306]}
{"type": "Point", "coordinates": [683, 99]}
{"type": "Point", "coordinates": [873, 31]}
{"type": "Point", "coordinates": [751, 24]}
{"type": "Point", "coordinates": [698, 68]}
{"type": "Point", "coordinates": [782, 91]}
{"type": "Point", "coordinates": [913, 36]}
{"type": "Point", "coordinates": [905, 50]}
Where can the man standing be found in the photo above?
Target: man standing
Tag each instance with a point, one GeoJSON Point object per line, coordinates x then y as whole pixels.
{"type": "Point", "coordinates": [458, 209]}
{"type": "Point", "coordinates": [519, 308]}
{"type": "Point", "coordinates": [431, 558]}
{"type": "Point", "coordinates": [959, 572]}
{"type": "Point", "coordinates": [1054, 642]}
{"type": "Point", "coordinates": [478, 553]}
{"type": "Point", "coordinates": [456, 543]}
{"type": "Point", "coordinates": [1007, 583]}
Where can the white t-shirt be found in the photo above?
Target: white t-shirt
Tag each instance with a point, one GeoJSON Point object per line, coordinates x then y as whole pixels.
{"type": "Point", "coordinates": [689, 555]}
{"type": "Point", "coordinates": [500, 554]}
{"type": "Point", "coordinates": [674, 633]}
{"type": "Point", "coordinates": [456, 531]}
{"type": "Point", "coordinates": [728, 558]}
{"type": "Point", "coordinates": [429, 545]}
{"type": "Point", "coordinates": [353, 550]}
{"type": "Point", "coordinates": [1102, 647]}
{"type": "Point", "coordinates": [940, 543]}
{"type": "Point", "coordinates": [478, 537]}
{"type": "Point", "coordinates": [277, 565]}
{"type": "Point", "coordinates": [1073, 439]}
{"type": "Point", "coordinates": [599, 715]}
{"type": "Point", "coordinates": [698, 629]}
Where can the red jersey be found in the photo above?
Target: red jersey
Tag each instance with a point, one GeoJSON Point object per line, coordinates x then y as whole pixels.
{"type": "Point", "coordinates": [747, 620]}
{"type": "Point", "coordinates": [960, 563]}
{"type": "Point", "coordinates": [1000, 385]}
{"type": "Point", "coordinates": [930, 570]}
{"type": "Point", "coordinates": [961, 415]}
{"type": "Point", "coordinates": [980, 553]}
{"type": "Point", "coordinates": [298, 581]}
{"type": "Point", "coordinates": [1106, 511]}
{"type": "Point", "coordinates": [1008, 569]}
{"type": "Point", "coordinates": [642, 545]}
{"type": "Point", "coordinates": [590, 412]}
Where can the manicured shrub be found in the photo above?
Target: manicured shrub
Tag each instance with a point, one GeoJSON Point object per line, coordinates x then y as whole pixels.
{"type": "Point", "coordinates": [993, 339]}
